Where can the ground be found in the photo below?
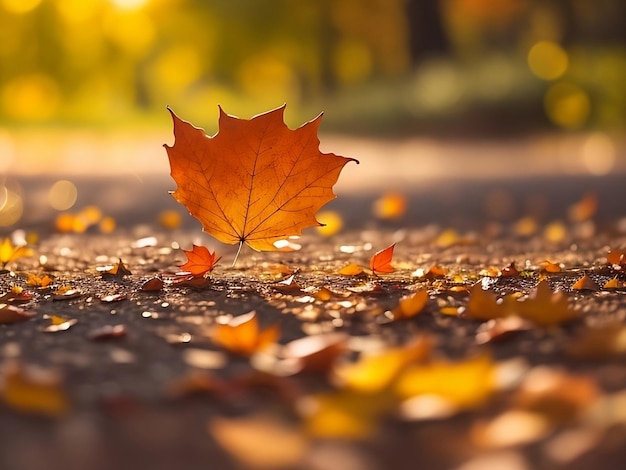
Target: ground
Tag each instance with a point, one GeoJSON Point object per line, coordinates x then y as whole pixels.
{"type": "Point", "coordinates": [166, 395]}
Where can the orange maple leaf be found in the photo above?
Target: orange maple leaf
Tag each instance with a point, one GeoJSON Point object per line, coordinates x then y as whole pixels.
{"type": "Point", "coordinates": [256, 181]}
{"type": "Point", "coordinates": [381, 261]}
{"type": "Point", "coordinates": [199, 260]}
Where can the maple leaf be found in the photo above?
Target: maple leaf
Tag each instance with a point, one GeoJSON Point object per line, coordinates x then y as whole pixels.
{"type": "Point", "coordinates": [381, 261]}
{"type": "Point", "coordinates": [256, 181]}
{"type": "Point", "coordinates": [199, 261]}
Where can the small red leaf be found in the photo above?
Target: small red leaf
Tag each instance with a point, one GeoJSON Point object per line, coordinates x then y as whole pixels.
{"type": "Point", "coordinates": [381, 261]}
{"type": "Point", "coordinates": [199, 261]}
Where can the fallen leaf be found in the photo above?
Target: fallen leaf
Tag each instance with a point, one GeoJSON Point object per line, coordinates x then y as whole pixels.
{"type": "Point", "coordinates": [344, 414]}
{"type": "Point", "coordinates": [59, 324]}
{"type": "Point", "coordinates": [351, 269]}
{"type": "Point", "coordinates": [13, 314]}
{"type": "Point", "coordinates": [189, 280]}
{"type": "Point", "coordinates": [118, 271]}
{"type": "Point", "coordinates": [499, 329]}
{"type": "Point", "coordinates": [17, 294]}
{"type": "Point", "coordinates": [559, 396]}
{"type": "Point", "coordinates": [288, 286]}
{"type": "Point", "coordinates": [542, 306]}
{"type": "Point", "coordinates": [107, 332]}
{"type": "Point", "coordinates": [465, 384]}
{"type": "Point", "coordinates": [260, 441]}
{"type": "Point", "coordinates": [585, 283]}
{"type": "Point", "coordinates": [199, 260]}
{"type": "Point", "coordinates": [242, 335]}
{"type": "Point", "coordinates": [316, 354]}
{"type": "Point", "coordinates": [509, 271]}
{"type": "Point", "coordinates": [604, 342]}
{"type": "Point", "coordinates": [36, 281]}
{"type": "Point", "coordinates": [255, 181]}
{"type": "Point", "coordinates": [10, 252]}
{"type": "Point", "coordinates": [550, 267]}
{"type": "Point", "coordinates": [616, 257]}
{"type": "Point", "coordinates": [433, 272]}
{"type": "Point", "coordinates": [152, 285]}
{"type": "Point", "coordinates": [33, 390]}
{"type": "Point", "coordinates": [613, 284]}
{"type": "Point", "coordinates": [113, 298]}
{"type": "Point", "coordinates": [373, 373]}
{"type": "Point", "coordinates": [381, 261]}
{"type": "Point", "coordinates": [66, 292]}
{"type": "Point", "coordinates": [411, 306]}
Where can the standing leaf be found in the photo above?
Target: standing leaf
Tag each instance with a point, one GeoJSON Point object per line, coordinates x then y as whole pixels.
{"type": "Point", "coordinates": [199, 261]}
{"type": "Point", "coordinates": [381, 261]}
{"type": "Point", "coordinates": [256, 181]}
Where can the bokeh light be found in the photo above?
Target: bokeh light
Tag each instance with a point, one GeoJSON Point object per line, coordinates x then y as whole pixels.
{"type": "Point", "coordinates": [62, 195]}
{"type": "Point", "coordinates": [11, 203]}
{"type": "Point", "coordinates": [332, 221]}
{"type": "Point", "coordinates": [20, 6]}
{"type": "Point", "coordinates": [547, 60]}
{"type": "Point", "coordinates": [599, 154]}
{"type": "Point", "coordinates": [567, 105]}
{"type": "Point", "coordinates": [33, 97]}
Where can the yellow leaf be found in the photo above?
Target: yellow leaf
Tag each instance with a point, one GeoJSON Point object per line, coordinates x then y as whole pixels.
{"type": "Point", "coordinates": [33, 390]}
{"type": "Point", "coordinates": [585, 283]}
{"type": "Point", "coordinates": [465, 384]}
{"type": "Point", "coordinates": [344, 414]}
{"type": "Point", "coordinates": [9, 252]}
{"type": "Point", "coordinates": [373, 373]}
{"type": "Point", "coordinates": [351, 269]}
{"type": "Point", "coordinates": [411, 306]}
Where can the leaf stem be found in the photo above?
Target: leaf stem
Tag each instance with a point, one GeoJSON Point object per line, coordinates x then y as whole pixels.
{"type": "Point", "coordinates": [237, 255]}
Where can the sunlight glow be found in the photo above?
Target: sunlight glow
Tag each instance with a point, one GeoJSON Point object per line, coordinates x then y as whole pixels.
{"type": "Point", "coordinates": [129, 4]}
{"type": "Point", "coordinates": [19, 6]}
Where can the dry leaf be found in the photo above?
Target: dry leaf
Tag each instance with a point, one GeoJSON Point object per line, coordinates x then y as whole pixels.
{"type": "Point", "coordinates": [509, 271]}
{"type": "Point", "coordinates": [10, 252]}
{"type": "Point", "coordinates": [12, 314]}
{"type": "Point", "coordinates": [543, 306]}
{"type": "Point", "coordinates": [411, 306]}
{"type": "Point", "coordinates": [255, 181]}
{"type": "Point", "coordinates": [316, 354]}
{"type": "Point", "coordinates": [344, 414]}
{"type": "Point", "coordinates": [17, 294]}
{"type": "Point", "coordinates": [550, 267]}
{"type": "Point", "coordinates": [557, 395]}
{"type": "Point", "coordinates": [433, 272]}
{"type": "Point", "coordinates": [199, 261]}
{"type": "Point", "coordinates": [585, 283]}
{"type": "Point", "coordinates": [242, 336]}
{"type": "Point", "coordinates": [351, 269]}
{"type": "Point", "coordinates": [59, 324]}
{"type": "Point", "coordinates": [36, 281]}
{"type": "Point", "coordinates": [616, 257]}
{"type": "Point", "coordinates": [376, 372]}
{"type": "Point", "coordinates": [599, 343]}
{"type": "Point", "coordinates": [107, 332]}
{"type": "Point", "coordinates": [152, 285]}
{"type": "Point", "coordinates": [381, 261]}
{"type": "Point", "coordinates": [464, 384]}
{"type": "Point", "coordinates": [33, 390]}
{"type": "Point", "coordinates": [118, 271]}
{"type": "Point", "coordinates": [260, 442]}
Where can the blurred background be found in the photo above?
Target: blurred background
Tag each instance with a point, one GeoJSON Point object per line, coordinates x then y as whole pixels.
{"type": "Point", "coordinates": [421, 91]}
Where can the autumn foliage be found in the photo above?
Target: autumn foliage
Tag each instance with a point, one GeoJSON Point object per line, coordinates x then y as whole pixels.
{"type": "Point", "coordinates": [256, 181]}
